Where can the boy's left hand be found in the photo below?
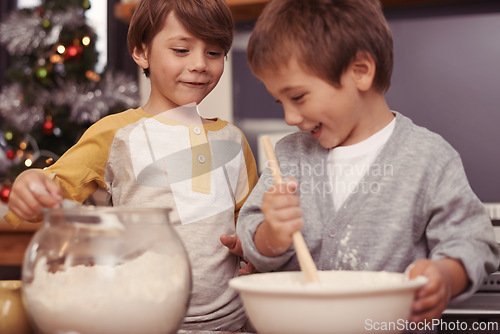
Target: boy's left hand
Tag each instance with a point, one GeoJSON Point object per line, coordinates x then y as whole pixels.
{"type": "Point", "coordinates": [447, 278]}
{"type": "Point", "coordinates": [233, 243]}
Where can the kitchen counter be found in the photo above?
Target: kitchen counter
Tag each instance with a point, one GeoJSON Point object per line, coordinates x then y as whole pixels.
{"type": "Point", "coordinates": [481, 304]}
{"type": "Point", "coordinates": [14, 241]}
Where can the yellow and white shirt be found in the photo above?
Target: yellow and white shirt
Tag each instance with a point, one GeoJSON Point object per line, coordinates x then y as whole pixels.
{"type": "Point", "coordinates": [204, 172]}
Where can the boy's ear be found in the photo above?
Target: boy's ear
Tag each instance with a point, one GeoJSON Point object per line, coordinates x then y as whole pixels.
{"type": "Point", "coordinates": [363, 70]}
{"type": "Point", "coordinates": [141, 57]}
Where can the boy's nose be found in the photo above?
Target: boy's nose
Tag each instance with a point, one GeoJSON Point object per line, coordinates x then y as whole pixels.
{"type": "Point", "coordinates": [292, 116]}
{"type": "Point", "coordinates": [198, 63]}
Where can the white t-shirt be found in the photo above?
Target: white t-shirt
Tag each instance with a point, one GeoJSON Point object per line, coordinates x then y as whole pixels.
{"type": "Point", "coordinates": [348, 164]}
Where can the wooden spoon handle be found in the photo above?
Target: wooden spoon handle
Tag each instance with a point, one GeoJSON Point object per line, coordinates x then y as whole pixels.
{"type": "Point", "coordinates": [271, 159]}
{"type": "Point", "coordinates": [306, 261]}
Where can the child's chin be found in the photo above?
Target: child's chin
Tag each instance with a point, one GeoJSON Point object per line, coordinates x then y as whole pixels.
{"type": "Point", "coordinates": [328, 144]}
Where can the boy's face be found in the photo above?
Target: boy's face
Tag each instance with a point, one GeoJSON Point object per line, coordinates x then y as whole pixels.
{"type": "Point", "coordinates": [183, 68]}
{"type": "Point", "coordinates": [331, 114]}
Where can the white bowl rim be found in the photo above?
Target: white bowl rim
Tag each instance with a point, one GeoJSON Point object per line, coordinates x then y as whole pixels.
{"type": "Point", "coordinates": [248, 283]}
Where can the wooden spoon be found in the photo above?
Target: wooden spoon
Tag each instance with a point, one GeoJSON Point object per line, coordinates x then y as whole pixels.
{"type": "Point", "coordinates": [305, 259]}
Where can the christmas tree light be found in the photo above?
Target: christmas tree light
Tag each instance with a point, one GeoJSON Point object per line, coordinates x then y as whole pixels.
{"type": "Point", "coordinates": [54, 92]}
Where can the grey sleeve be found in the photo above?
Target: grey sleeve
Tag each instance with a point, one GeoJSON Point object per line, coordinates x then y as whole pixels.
{"type": "Point", "coordinates": [459, 227]}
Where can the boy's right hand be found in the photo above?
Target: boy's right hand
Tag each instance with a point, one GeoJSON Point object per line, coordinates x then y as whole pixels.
{"type": "Point", "coordinates": [282, 218]}
{"type": "Point", "coordinates": [31, 192]}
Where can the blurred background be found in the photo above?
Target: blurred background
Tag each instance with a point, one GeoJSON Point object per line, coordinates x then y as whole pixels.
{"type": "Point", "coordinates": [446, 78]}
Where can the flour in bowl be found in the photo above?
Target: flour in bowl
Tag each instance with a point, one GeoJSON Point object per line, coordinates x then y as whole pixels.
{"type": "Point", "coordinates": [148, 294]}
{"type": "Point", "coordinates": [331, 281]}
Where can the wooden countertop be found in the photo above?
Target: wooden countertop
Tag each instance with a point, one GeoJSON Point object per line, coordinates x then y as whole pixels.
{"type": "Point", "coordinates": [14, 241]}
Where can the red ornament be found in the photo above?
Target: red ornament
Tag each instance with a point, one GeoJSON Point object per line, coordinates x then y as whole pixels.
{"type": "Point", "coordinates": [48, 127]}
{"type": "Point", "coordinates": [73, 52]}
{"type": "Point", "coordinates": [10, 154]}
{"type": "Point", "coordinates": [4, 194]}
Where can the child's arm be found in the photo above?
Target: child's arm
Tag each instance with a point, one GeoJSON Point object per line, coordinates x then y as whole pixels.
{"type": "Point", "coordinates": [32, 191]}
{"type": "Point", "coordinates": [447, 278]}
{"type": "Point", "coordinates": [282, 217]}
{"type": "Point", "coordinates": [246, 182]}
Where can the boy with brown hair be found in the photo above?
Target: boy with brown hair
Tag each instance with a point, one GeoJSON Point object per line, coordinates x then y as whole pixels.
{"type": "Point", "coordinates": [369, 189]}
{"type": "Point", "coordinates": [164, 154]}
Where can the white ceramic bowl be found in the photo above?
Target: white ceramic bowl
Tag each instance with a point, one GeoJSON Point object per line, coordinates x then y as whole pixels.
{"type": "Point", "coordinates": [344, 302]}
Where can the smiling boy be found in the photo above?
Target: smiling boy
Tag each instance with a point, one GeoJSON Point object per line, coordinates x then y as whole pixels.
{"type": "Point", "coordinates": [182, 68]}
{"type": "Point", "coordinates": [329, 63]}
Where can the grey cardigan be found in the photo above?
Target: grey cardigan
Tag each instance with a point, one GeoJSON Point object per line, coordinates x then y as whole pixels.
{"type": "Point", "coordinates": [414, 202]}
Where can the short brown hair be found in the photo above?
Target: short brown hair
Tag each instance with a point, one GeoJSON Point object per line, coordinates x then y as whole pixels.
{"type": "Point", "coordinates": [210, 20]}
{"type": "Point", "coordinates": [324, 35]}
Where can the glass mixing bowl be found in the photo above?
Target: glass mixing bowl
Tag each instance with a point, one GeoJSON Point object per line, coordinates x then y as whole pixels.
{"type": "Point", "coordinates": [116, 270]}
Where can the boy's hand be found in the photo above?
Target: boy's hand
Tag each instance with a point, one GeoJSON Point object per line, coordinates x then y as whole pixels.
{"type": "Point", "coordinates": [233, 243]}
{"type": "Point", "coordinates": [32, 191]}
{"type": "Point", "coordinates": [282, 218]}
{"type": "Point", "coordinates": [447, 278]}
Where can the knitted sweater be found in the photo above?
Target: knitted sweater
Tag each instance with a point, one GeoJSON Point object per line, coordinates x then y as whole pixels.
{"type": "Point", "coordinates": [414, 202]}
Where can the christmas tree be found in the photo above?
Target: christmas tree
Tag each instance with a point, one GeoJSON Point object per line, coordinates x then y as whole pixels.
{"type": "Point", "coordinates": [54, 92]}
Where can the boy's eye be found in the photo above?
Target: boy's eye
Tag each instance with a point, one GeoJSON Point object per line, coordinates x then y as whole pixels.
{"type": "Point", "coordinates": [297, 97]}
{"type": "Point", "coordinates": [214, 53]}
{"type": "Point", "coordinates": [277, 102]}
{"type": "Point", "coordinates": [180, 51]}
